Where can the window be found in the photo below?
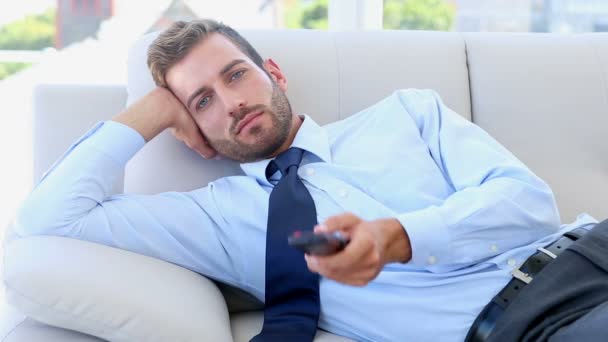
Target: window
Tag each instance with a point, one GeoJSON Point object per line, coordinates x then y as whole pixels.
{"type": "Point", "coordinates": [563, 16]}
{"type": "Point", "coordinates": [85, 7]}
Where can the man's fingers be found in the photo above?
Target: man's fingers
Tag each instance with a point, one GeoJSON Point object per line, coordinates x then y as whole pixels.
{"type": "Point", "coordinates": [187, 130]}
{"type": "Point", "coordinates": [202, 147]}
{"type": "Point", "coordinates": [346, 261]}
{"type": "Point", "coordinates": [342, 222]}
{"type": "Point", "coordinates": [357, 276]}
{"type": "Point", "coordinates": [195, 140]}
{"type": "Point", "coordinates": [206, 152]}
{"type": "Point", "coordinates": [358, 263]}
{"type": "Point", "coordinates": [312, 263]}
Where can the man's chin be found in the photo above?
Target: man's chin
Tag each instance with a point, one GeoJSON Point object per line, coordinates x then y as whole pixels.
{"type": "Point", "coordinates": [238, 159]}
{"type": "Point", "coordinates": [251, 148]}
{"type": "Point", "coordinates": [249, 156]}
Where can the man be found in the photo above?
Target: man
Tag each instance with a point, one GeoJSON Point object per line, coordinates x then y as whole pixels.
{"type": "Point", "coordinates": [437, 212]}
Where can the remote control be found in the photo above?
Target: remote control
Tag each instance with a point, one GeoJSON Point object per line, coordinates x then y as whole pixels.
{"type": "Point", "coordinates": [318, 243]}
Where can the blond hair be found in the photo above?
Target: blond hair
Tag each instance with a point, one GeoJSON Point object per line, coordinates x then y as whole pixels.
{"type": "Point", "coordinates": [174, 43]}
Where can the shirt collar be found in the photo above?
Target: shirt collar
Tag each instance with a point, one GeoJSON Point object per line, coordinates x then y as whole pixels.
{"type": "Point", "coordinates": [310, 137]}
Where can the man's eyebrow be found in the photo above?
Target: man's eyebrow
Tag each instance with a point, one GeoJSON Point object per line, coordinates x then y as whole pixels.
{"type": "Point", "coordinates": [204, 88]}
{"type": "Point", "coordinates": [231, 65]}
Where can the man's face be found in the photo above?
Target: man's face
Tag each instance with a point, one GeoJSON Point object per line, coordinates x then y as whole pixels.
{"type": "Point", "coordinates": [242, 112]}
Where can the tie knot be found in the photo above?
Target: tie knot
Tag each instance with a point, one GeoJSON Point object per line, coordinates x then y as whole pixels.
{"type": "Point", "coordinates": [282, 162]}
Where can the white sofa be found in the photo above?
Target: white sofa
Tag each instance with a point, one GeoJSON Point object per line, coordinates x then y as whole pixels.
{"type": "Point", "coordinates": [544, 96]}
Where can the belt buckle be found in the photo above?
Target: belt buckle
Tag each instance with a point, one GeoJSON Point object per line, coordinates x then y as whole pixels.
{"type": "Point", "coordinates": [525, 277]}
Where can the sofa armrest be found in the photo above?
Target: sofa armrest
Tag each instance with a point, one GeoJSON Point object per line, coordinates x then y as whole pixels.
{"type": "Point", "coordinates": [111, 293]}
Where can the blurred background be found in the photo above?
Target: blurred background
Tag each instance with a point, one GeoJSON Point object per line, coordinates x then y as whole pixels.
{"type": "Point", "coordinates": [86, 41]}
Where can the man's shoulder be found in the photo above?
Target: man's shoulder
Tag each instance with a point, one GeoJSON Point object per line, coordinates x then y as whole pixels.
{"type": "Point", "coordinates": [398, 98]}
{"type": "Point", "coordinates": [417, 94]}
{"type": "Point", "coordinates": [394, 103]}
{"type": "Point", "coordinates": [386, 115]}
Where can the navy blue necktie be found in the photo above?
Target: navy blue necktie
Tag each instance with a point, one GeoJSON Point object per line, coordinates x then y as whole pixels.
{"type": "Point", "coordinates": [291, 309]}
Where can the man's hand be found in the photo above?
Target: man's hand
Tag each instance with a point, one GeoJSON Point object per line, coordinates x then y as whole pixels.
{"type": "Point", "coordinates": [159, 110]}
{"type": "Point", "coordinates": [372, 245]}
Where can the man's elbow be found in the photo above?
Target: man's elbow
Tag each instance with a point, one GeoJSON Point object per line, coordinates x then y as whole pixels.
{"type": "Point", "coordinates": [32, 220]}
{"type": "Point", "coordinates": [545, 211]}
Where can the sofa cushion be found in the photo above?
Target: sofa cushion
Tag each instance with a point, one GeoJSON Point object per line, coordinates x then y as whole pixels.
{"type": "Point", "coordinates": [111, 293]}
{"type": "Point", "coordinates": [63, 112]}
{"type": "Point", "coordinates": [31, 331]}
{"type": "Point", "coordinates": [545, 97]}
{"type": "Point", "coordinates": [16, 327]}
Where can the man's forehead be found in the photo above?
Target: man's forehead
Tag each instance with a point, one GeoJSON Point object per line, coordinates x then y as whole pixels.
{"type": "Point", "coordinates": [217, 42]}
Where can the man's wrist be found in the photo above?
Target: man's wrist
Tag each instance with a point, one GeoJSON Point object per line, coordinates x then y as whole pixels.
{"type": "Point", "coordinates": [397, 246]}
{"type": "Point", "coordinates": [145, 117]}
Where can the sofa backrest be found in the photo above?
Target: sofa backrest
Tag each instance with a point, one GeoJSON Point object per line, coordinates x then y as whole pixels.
{"type": "Point", "coordinates": [64, 112]}
{"type": "Point", "coordinates": [544, 96]}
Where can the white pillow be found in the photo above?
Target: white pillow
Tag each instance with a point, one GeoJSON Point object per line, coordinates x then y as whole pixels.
{"type": "Point", "coordinates": [110, 293]}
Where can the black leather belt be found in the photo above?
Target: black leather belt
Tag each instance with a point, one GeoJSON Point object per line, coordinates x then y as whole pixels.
{"type": "Point", "coordinates": [522, 276]}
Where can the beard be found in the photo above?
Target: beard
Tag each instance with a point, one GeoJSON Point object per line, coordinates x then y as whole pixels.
{"type": "Point", "coordinates": [268, 141]}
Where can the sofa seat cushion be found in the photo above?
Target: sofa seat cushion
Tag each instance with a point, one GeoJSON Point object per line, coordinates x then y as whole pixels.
{"type": "Point", "coordinates": [16, 327]}
{"type": "Point", "coordinates": [110, 293]}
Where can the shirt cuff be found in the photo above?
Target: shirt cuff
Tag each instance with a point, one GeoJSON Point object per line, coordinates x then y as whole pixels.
{"type": "Point", "coordinates": [116, 140]}
{"type": "Point", "coordinates": [428, 235]}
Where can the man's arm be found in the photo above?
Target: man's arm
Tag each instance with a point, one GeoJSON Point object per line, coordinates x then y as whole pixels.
{"type": "Point", "coordinates": [497, 204]}
{"type": "Point", "coordinates": [73, 198]}
{"type": "Point", "coordinates": [159, 110]}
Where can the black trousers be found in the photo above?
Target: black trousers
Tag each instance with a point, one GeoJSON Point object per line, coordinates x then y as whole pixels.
{"type": "Point", "coordinates": [567, 300]}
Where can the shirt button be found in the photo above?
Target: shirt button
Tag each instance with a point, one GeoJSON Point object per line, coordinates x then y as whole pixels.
{"type": "Point", "coordinates": [511, 262]}
{"type": "Point", "coordinates": [310, 171]}
{"type": "Point", "coordinates": [494, 248]}
{"type": "Point", "coordinates": [431, 260]}
{"type": "Point", "coordinates": [343, 193]}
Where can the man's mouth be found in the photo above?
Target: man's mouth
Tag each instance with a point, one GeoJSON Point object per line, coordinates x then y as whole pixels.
{"type": "Point", "coordinates": [246, 120]}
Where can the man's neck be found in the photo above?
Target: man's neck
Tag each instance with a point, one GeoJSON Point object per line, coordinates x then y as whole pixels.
{"type": "Point", "coordinates": [296, 123]}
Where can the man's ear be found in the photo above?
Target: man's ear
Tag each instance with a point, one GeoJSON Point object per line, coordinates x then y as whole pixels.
{"type": "Point", "coordinates": [275, 73]}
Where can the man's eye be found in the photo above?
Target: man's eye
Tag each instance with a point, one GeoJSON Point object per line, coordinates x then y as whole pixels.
{"type": "Point", "coordinates": [237, 75]}
{"type": "Point", "coordinates": [203, 102]}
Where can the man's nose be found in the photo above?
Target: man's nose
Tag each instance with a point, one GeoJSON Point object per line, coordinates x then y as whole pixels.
{"type": "Point", "coordinates": [234, 102]}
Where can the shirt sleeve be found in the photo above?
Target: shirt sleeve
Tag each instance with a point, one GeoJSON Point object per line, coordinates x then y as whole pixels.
{"type": "Point", "coordinates": [72, 200]}
{"type": "Point", "coordinates": [497, 202]}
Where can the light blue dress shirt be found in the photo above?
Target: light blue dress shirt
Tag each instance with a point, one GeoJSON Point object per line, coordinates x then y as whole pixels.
{"type": "Point", "coordinates": [472, 211]}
